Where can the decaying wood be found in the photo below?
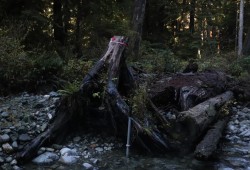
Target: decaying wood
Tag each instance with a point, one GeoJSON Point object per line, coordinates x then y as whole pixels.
{"type": "Point", "coordinates": [195, 121]}
{"type": "Point", "coordinates": [191, 100]}
{"type": "Point", "coordinates": [205, 149]}
{"type": "Point", "coordinates": [73, 108]}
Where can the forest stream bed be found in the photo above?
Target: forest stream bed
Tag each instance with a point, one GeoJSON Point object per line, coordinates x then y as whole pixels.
{"type": "Point", "coordinates": [24, 116]}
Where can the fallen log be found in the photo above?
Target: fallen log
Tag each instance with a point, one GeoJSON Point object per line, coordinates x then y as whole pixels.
{"type": "Point", "coordinates": [193, 123]}
{"type": "Point", "coordinates": [186, 90]}
{"type": "Point", "coordinates": [205, 149]}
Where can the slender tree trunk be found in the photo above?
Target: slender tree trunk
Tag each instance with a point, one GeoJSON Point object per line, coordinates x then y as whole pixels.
{"type": "Point", "coordinates": [66, 18]}
{"type": "Point", "coordinates": [137, 22]}
{"type": "Point", "coordinates": [59, 34]}
{"type": "Point", "coordinates": [241, 21]}
{"type": "Point", "coordinates": [246, 48]}
{"type": "Point", "coordinates": [184, 10]}
{"type": "Point", "coordinates": [78, 44]}
{"type": "Point", "coordinates": [192, 16]}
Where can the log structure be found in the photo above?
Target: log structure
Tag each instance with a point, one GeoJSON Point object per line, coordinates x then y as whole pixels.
{"type": "Point", "coordinates": [179, 108]}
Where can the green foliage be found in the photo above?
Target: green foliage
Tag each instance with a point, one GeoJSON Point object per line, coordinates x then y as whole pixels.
{"type": "Point", "coordinates": [14, 61]}
{"type": "Point", "coordinates": [70, 88]}
{"type": "Point", "coordinates": [158, 59]}
{"type": "Point", "coordinates": [241, 67]}
{"type": "Point", "coordinates": [138, 101]}
{"type": "Point", "coordinates": [47, 64]}
{"type": "Point", "coordinates": [74, 69]}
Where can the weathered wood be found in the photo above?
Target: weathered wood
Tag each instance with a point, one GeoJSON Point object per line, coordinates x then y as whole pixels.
{"type": "Point", "coordinates": [184, 91]}
{"type": "Point", "coordinates": [195, 121]}
{"type": "Point", "coordinates": [205, 149]}
{"type": "Point", "coordinates": [73, 108]}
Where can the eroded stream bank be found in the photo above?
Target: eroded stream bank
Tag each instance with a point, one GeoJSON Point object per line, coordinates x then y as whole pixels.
{"type": "Point", "coordinates": [24, 116]}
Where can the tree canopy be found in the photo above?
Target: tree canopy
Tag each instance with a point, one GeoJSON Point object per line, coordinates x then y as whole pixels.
{"type": "Point", "coordinates": [65, 30]}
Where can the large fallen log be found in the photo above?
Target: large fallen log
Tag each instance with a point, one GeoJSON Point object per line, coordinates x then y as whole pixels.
{"type": "Point", "coordinates": [205, 149]}
{"type": "Point", "coordinates": [194, 122]}
{"type": "Point", "coordinates": [176, 112]}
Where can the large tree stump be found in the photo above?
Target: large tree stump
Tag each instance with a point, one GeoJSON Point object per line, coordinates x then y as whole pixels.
{"type": "Point", "coordinates": [188, 98]}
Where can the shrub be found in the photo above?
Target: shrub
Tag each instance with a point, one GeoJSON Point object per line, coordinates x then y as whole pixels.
{"type": "Point", "coordinates": [157, 59]}
{"type": "Point", "coordinates": [75, 69]}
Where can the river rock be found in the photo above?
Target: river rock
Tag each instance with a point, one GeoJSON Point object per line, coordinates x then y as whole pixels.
{"type": "Point", "coordinates": [68, 156]}
{"type": "Point", "coordinates": [87, 166]}
{"type": "Point", "coordinates": [7, 148]}
{"type": "Point", "coordinates": [46, 158]}
{"type": "Point", "coordinates": [5, 114]}
{"type": "Point", "coordinates": [24, 137]}
{"type": "Point", "coordinates": [4, 138]}
{"type": "Point", "coordinates": [99, 149]}
{"type": "Point", "coordinates": [14, 145]}
{"type": "Point", "coordinates": [54, 94]}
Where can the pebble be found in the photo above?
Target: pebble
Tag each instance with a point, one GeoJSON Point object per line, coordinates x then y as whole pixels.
{"type": "Point", "coordinates": [99, 149]}
{"type": "Point", "coordinates": [7, 148]}
{"type": "Point", "coordinates": [4, 138]}
{"type": "Point", "coordinates": [46, 158]}
{"type": "Point", "coordinates": [24, 137]}
{"type": "Point", "coordinates": [5, 114]}
{"type": "Point", "coordinates": [87, 166]}
{"type": "Point", "coordinates": [68, 156]}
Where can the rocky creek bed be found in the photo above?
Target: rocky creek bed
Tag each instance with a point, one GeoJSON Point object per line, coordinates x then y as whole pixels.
{"type": "Point", "coordinates": [24, 116]}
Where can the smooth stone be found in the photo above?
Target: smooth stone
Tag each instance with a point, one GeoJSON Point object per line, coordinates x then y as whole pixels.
{"type": "Point", "coordinates": [5, 114]}
{"type": "Point", "coordinates": [87, 166]}
{"type": "Point", "coordinates": [14, 145]}
{"type": "Point", "coordinates": [7, 148]}
{"type": "Point", "coordinates": [68, 156]}
{"type": "Point", "coordinates": [44, 126]}
{"type": "Point", "coordinates": [13, 162]}
{"type": "Point", "coordinates": [50, 149]}
{"type": "Point", "coordinates": [99, 149]}
{"type": "Point", "coordinates": [6, 130]}
{"type": "Point", "coordinates": [46, 158]}
{"type": "Point", "coordinates": [9, 159]}
{"type": "Point", "coordinates": [245, 110]}
{"type": "Point", "coordinates": [94, 160]}
{"type": "Point", "coordinates": [24, 137]}
{"type": "Point", "coordinates": [69, 151]}
{"type": "Point", "coordinates": [4, 138]}
{"type": "Point", "coordinates": [54, 94]}
{"type": "Point", "coordinates": [16, 167]}
{"type": "Point", "coordinates": [46, 96]}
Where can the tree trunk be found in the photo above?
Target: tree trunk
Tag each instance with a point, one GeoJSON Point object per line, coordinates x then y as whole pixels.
{"type": "Point", "coordinates": [78, 43]}
{"type": "Point", "coordinates": [137, 22]}
{"type": "Point", "coordinates": [240, 33]}
{"type": "Point", "coordinates": [59, 33]}
{"type": "Point", "coordinates": [246, 49]}
{"type": "Point", "coordinates": [192, 16]}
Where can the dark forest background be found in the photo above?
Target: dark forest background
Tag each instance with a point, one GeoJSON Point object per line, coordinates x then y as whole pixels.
{"type": "Point", "coordinates": [53, 43]}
